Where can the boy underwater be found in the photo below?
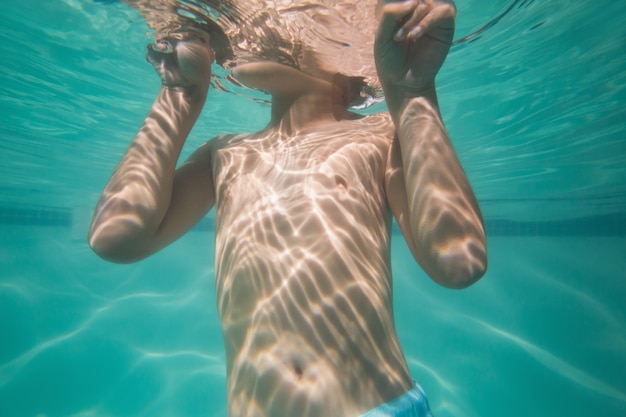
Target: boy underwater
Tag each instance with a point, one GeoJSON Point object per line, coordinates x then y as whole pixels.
{"type": "Point", "coordinates": [303, 216]}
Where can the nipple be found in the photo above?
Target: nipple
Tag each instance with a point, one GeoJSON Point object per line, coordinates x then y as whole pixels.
{"type": "Point", "coordinates": [342, 185]}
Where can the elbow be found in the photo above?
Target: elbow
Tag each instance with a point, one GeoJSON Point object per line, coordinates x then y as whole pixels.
{"type": "Point", "coordinates": [113, 250]}
{"type": "Point", "coordinates": [458, 269]}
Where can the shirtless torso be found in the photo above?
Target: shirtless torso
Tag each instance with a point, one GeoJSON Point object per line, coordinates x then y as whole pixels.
{"type": "Point", "coordinates": [303, 219]}
{"type": "Point", "coordinates": [303, 270]}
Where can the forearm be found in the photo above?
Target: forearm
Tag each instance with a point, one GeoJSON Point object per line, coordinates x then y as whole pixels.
{"type": "Point", "coordinates": [444, 218]}
{"type": "Point", "coordinates": [137, 197]}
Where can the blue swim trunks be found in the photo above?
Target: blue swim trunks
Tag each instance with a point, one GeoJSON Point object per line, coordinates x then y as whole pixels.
{"type": "Point", "coordinates": [412, 404]}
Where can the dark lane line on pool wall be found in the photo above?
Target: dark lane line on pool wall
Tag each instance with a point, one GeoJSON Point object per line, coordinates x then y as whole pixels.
{"type": "Point", "coordinates": [600, 225]}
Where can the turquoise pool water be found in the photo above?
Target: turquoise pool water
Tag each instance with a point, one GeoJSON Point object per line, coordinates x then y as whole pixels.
{"type": "Point", "coordinates": [535, 104]}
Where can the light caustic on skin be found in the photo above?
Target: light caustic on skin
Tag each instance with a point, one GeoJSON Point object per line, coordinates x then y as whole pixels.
{"type": "Point", "coordinates": [303, 217]}
{"type": "Point", "coordinates": [303, 269]}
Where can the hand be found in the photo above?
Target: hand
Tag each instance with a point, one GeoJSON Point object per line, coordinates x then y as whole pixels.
{"type": "Point", "coordinates": [412, 42]}
{"type": "Point", "coordinates": [182, 64]}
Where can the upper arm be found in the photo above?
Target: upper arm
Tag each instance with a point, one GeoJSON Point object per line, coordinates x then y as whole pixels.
{"type": "Point", "coordinates": [193, 195]}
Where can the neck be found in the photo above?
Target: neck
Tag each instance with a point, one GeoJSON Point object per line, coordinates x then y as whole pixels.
{"type": "Point", "coordinates": [293, 113]}
{"type": "Point", "coordinates": [298, 99]}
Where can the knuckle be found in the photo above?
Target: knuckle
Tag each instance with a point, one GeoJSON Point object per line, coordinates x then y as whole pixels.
{"type": "Point", "coordinates": [448, 10]}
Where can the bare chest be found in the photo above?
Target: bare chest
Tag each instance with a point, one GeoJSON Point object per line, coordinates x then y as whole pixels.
{"type": "Point", "coordinates": [341, 160]}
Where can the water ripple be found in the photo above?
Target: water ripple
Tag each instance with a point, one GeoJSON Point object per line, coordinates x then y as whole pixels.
{"type": "Point", "coordinates": [553, 363]}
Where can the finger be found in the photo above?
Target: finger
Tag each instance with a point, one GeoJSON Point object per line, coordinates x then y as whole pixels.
{"type": "Point", "coordinates": [159, 52]}
{"type": "Point", "coordinates": [440, 17]}
{"type": "Point", "coordinates": [193, 51]}
{"type": "Point", "coordinates": [413, 22]}
{"type": "Point", "coordinates": [194, 59]}
{"type": "Point", "coordinates": [393, 14]}
{"type": "Point", "coordinates": [163, 45]}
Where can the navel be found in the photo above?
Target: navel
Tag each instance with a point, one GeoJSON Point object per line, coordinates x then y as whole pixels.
{"type": "Point", "coordinates": [297, 369]}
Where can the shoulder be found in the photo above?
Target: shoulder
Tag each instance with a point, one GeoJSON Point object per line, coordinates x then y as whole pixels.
{"type": "Point", "coordinates": [221, 141]}
{"type": "Point", "coordinates": [382, 118]}
{"type": "Point", "coordinates": [378, 124]}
